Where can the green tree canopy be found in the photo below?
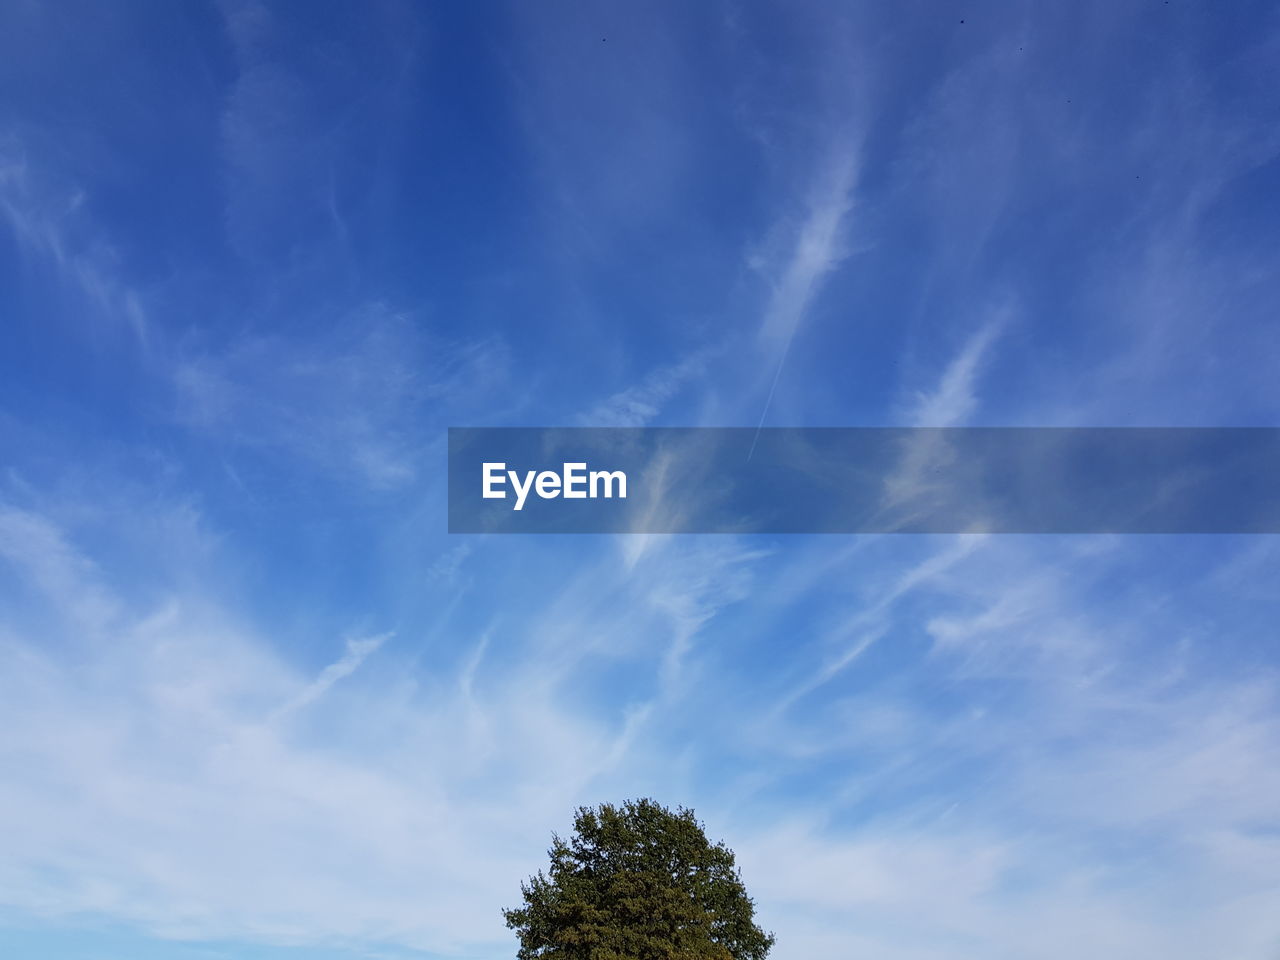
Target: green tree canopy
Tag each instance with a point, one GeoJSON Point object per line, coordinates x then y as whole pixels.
{"type": "Point", "coordinates": [637, 882]}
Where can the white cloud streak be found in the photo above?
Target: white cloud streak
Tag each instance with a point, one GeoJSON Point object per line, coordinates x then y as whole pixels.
{"type": "Point", "coordinates": [51, 227]}
{"type": "Point", "coordinates": [357, 651]}
{"type": "Point", "coordinates": [819, 246]}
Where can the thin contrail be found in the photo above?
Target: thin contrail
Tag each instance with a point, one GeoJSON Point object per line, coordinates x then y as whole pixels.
{"type": "Point", "coordinates": [773, 386]}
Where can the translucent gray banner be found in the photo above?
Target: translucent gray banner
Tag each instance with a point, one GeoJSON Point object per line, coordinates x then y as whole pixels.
{"type": "Point", "coordinates": [864, 480]}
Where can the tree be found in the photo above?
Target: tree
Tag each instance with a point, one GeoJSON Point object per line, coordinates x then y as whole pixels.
{"type": "Point", "coordinates": [637, 882]}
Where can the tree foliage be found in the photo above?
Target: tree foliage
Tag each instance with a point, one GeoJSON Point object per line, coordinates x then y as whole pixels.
{"type": "Point", "coordinates": [637, 882]}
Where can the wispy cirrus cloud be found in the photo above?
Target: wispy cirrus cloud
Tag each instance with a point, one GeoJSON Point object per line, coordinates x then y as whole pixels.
{"type": "Point", "coordinates": [954, 400]}
{"type": "Point", "coordinates": [291, 129]}
{"type": "Point", "coordinates": [357, 651]}
{"type": "Point", "coordinates": [174, 715]}
{"type": "Point", "coordinates": [1042, 697]}
{"type": "Point", "coordinates": [54, 232]}
{"type": "Point", "coordinates": [818, 245]}
{"type": "Point", "coordinates": [351, 400]}
{"type": "Point", "coordinates": [639, 405]}
{"type": "Point", "coordinates": [920, 747]}
{"type": "Point", "coordinates": [428, 787]}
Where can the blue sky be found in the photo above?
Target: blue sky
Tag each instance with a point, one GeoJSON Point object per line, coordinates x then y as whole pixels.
{"type": "Point", "coordinates": [256, 704]}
